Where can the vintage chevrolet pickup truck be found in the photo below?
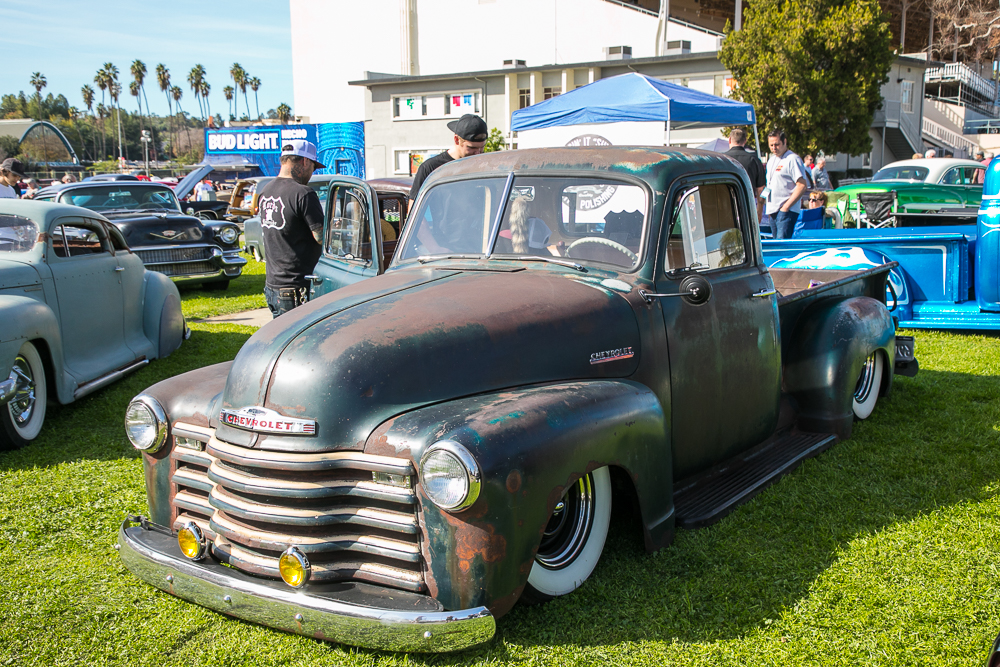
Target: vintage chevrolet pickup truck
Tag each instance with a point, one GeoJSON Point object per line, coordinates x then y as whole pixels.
{"type": "Point", "coordinates": [396, 463]}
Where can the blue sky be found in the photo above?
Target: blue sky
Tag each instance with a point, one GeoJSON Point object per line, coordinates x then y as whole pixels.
{"type": "Point", "coordinates": [69, 40]}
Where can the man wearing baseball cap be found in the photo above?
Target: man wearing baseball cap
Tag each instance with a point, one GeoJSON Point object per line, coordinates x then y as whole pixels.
{"type": "Point", "coordinates": [291, 220]}
{"type": "Point", "coordinates": [470, 137]}
{"type": "Point", "coordinates": [11, 171]}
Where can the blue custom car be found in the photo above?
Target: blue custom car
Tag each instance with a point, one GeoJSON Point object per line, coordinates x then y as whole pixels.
{"type": "Point", "coordinates": [78, 310]}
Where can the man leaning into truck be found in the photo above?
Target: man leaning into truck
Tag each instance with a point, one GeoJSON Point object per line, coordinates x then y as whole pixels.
{"type": "Point", "coordinates": [291, 220]}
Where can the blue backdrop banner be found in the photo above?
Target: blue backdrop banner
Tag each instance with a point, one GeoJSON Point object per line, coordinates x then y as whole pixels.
{"type": "Point", "coordinates": [340, 146]}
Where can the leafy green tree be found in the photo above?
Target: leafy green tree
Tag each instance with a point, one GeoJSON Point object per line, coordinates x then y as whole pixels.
{"type": "Point", "coordinates": [813, 68]}
{"type": "Point", "coordinates": [495, 141]}
{"type": "Point", "coordinates": [284, 112]}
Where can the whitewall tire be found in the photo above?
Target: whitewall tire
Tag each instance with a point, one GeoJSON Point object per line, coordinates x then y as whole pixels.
{"type": "Point", "coordinates": [24, 414]}
{"type": "Point", "coordinates": [868, 387]}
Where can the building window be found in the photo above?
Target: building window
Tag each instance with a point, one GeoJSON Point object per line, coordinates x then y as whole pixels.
{"type": "Point", "coordinates": [406, 161]}
{"type": "Point", "coordinates": [438, 105]}
{"type": "Point", "coordinates": [906, 96]}
{"type": "Point", "coordinates": [866, 160]}
{"type": "Point", "coordinates": [549, 93]}
{"type": "Point", "coordinates": [524, 97]}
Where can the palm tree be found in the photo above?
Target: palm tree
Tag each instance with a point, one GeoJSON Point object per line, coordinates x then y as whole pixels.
{"type": "Point", "coordinates": [115, 91]}
{"type": "Point", "coordinates": [229, 92]}
{"type": "Point", "coordinates": [87, 93]}
{"type": "Point", "coordinates": [244, 81]}
{"type": "Point", "coordinates": [101, 80]}
{"type": "Point", "coordinates": [236, 72]}
{"type": "Point", "coordinates": [133, 89]}
{"type": "Point", "coordinates": [196, 77]}
{"type": "Point", "coordinates": [163, 81]}
{"type": "Point", "coordinates": [138, 70]}
{"type": "Point", "coordinates": [38, 82]}
{"type": "Point", "coordinates": [284, 112]}
{"type": "Point", "coordinates": [254, 86]}
{"type": "Point", "coordinates": [206, 88]}
{"type": "Point", "coordinates": [176, 93]}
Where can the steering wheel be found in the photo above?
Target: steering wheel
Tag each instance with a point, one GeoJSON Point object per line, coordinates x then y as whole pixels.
{"type": "Point", "coordinates": [602, 241]}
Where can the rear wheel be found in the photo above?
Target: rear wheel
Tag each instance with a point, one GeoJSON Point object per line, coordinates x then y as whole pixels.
{"type": "Point", "coordinates": [573, 539]}
{"type": "Point", "coordinates": [869, 384]}
{"type": "Point", "coordinates": [22, 418]}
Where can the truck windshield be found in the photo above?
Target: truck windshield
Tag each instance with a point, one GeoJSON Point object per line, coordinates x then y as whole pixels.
{"type": "Point", "coordinates": [17, 234]}
{"type": "Point", "coordinates": [122, 196]}
{"type": "Point", "coordinates": [586, 220]}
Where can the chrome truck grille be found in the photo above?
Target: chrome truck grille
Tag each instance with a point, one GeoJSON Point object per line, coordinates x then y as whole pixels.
{"type": "Point", "coordinates": [253, 504]}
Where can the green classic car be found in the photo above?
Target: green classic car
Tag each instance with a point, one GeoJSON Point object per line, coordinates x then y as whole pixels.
{"type": "Point", "coordinates": [926, 185]}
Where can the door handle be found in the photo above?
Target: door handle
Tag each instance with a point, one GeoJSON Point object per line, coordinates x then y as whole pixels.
{"type": "Point", "coordinates": [764, 292]}
{"type": "Point", "coordinates": [316, 280]}
{"type": "Point", "coordinates": [119, 268]}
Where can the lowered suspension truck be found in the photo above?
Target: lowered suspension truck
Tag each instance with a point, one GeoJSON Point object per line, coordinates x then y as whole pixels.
{"type": "Point", "coordinates": [397, 463]}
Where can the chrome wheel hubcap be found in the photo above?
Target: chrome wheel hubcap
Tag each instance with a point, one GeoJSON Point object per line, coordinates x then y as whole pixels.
{"type": "Point", "coordinates": [22, 405]}
{"type": "Point", "coordinates": [569, 526]}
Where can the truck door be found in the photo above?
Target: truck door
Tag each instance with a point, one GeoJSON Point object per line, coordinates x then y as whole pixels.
{"type": "Point", "coordinates": [725, 364]}
{"type": "Point", "coordinates": [350, 231]}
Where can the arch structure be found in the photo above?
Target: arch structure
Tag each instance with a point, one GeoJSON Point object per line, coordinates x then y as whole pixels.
{"type": "Point", "coordinates": [40, 141]}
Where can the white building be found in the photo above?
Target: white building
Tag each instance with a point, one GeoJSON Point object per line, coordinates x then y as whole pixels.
{"type": "Point", "coordinates": [336, 41]}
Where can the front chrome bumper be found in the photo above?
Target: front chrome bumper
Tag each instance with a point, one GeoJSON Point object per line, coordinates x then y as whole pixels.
{"type": "Point", "coordinates": [334, 614]}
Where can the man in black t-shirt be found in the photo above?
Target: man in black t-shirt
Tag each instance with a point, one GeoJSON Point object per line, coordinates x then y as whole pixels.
{"type": "Point", "coordinates": [291, 220]}
{"type": "Point", "coordinates": [470, 137]}
{"type": "Point", "coordinates": [750, 162]}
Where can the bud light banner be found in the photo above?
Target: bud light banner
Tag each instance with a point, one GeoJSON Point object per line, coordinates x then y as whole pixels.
{"type": "Point", "coordinates": [339, 146]}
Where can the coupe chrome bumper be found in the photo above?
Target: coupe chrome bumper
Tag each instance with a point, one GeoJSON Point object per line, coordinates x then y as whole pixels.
{"type": "Point", "coordinates": [151, 553]}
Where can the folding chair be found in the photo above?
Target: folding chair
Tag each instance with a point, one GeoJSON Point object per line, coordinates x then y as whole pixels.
{"type": "Point", "coordinates": [879, 208]}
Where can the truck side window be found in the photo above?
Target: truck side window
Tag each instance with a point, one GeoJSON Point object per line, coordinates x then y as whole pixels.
{"type": "Point", "coordinates": [705, 231]}
{"type": "Point", "coordinates": [348, 234]}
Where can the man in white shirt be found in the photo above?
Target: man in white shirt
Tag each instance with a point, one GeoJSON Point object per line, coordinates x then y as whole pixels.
{"type": "Point", "coordinates": [786, 181]}
{"type": "Point", "coordinates": [11, 171]}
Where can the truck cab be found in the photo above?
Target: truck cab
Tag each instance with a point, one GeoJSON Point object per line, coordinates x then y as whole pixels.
{"type": "Point", "coordinates": [398, 462]}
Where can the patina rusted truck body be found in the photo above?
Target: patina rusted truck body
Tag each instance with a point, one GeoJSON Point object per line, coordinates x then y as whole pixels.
{"type": "Point", "coordinates": [397, 463]}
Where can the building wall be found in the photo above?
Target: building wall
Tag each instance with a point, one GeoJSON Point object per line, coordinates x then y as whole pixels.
{"type": "Point", "coordinates": [337, 42]}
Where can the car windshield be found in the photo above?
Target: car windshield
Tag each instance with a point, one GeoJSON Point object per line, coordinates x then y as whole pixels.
{"type": "Point", "coordinates": [901, 172]}
{"type": "Point", "coordinates": [583, 220]}
{"type": "Point", "coordinates": [17, 234]}
{"type": "Point", "coordinates": [321, 188]}
{"type": "Point", "coordinates": [122, 196]}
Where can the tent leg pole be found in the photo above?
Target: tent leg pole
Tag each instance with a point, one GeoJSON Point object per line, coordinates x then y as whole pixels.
{"type": "Point", "coordinates": [668, 134]}
{"type": "Point", "coordinates": [756, 140]}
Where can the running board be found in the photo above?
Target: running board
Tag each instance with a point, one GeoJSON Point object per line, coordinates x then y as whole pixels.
{"type": "Point", "coordinates": [105, 380]}
{"type": "Point", "coordinates": [707, 498]}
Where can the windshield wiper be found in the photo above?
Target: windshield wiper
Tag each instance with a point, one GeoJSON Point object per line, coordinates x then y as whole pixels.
{"type": "Point", "coordinates": [423, 259]}
{"type": "Point", "coordinates": [540, 258]}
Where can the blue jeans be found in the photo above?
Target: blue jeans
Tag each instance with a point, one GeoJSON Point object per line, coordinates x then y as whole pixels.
{"type": "Point", "coordinates": [280, 300]}
{"type": "Point", "coordinates": [783, 223]}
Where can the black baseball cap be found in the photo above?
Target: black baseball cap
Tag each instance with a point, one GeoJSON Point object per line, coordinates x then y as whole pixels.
{"type": "Point", "coordinates": [470, 127]}
{"type": "Point", "coordinates": [13, 165]}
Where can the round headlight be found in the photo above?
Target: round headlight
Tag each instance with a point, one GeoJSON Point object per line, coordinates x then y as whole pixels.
{"type": "Point", "coordinates": [228, 235]}
{"type": "Point", "coordinates": [191, 541]}
{"type": "Point", "coordinates": [190, 210]}
{"type": "Point", "coordinates": [146, 424]}
{"type": "Point", "coordinates": [450, 475]}
{"type": "Point", "coordinates": [294, 567]}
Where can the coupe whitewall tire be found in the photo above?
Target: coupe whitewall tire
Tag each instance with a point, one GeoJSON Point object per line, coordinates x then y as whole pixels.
{"type": "Point", "coordinates": [24, 414]}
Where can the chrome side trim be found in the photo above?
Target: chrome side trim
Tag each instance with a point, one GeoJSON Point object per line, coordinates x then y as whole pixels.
{"type": "Point", "coordinates": [104, 381]}
{"type": "Point", "coordinates": [154, 558]}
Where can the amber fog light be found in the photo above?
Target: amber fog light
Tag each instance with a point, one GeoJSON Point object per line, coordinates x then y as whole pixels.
{"type": "Point", "coordinates": [294, 567]}
{"type": "Point", "coordinates": [191, 541]}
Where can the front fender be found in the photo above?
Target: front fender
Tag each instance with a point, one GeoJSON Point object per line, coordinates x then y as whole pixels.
{"type": "Point", "coordinates": [830, 344]}
{"type": "Point", "coordinates": [25, 319]}
{"type": "Point", "coordinates": [531, 443]}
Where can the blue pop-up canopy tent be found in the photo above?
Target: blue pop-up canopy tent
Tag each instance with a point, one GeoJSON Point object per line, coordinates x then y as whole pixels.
{"type": "Point", "coordinates": [635, 97]}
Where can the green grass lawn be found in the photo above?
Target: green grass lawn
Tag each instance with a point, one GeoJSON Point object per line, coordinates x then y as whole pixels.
{"type": "Point", "coordinates": [244, 293]}
{"type": "Point", "coordinates": [883, 551]}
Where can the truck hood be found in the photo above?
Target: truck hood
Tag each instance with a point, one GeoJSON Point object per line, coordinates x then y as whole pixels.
{"type": "Point", "coordinates": [360, 355]}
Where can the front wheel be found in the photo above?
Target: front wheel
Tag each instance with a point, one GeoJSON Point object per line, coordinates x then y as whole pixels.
{"type": "Point", "coordinates": [868, 387]}
{"type": "Point", "coordinates": [24, 414]}
{"type": "Point", "coordinates": [573, 539]}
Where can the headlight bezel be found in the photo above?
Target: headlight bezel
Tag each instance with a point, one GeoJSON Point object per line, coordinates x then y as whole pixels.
{"type": "Point", "coordinates": [299, 556]}
{"type": "Point", "coordinates": [159, 417]}
{"type": "Point", "coordinates": [235, 235]}
{"type": "Point", "coordinates": [199, 536]}
{"type": "Point", "coordinates": [473, 475]}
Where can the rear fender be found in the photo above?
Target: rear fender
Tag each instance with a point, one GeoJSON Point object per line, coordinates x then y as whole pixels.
{"type": "Point", "coordinates": [162, 320]}
{"type": "Point", "coordinates": [530, 444]}
{"type": "Point", "coordinates": [831, 342]}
